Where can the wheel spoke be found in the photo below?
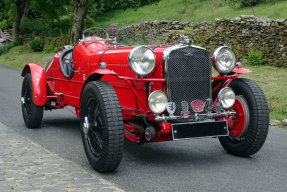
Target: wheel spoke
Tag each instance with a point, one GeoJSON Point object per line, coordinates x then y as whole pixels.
{"type": "Point", "coordinates": [94, 136]}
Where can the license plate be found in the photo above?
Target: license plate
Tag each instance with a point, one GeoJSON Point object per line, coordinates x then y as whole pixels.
{"type": "Point", "coordinates": [199, 129]}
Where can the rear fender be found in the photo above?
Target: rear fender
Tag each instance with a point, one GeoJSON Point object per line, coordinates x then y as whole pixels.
{"type": "Point", "coordinates": [39, 89]}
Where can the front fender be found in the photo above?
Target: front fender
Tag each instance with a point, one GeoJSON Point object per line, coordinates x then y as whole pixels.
{"type": "Point", "coordinates": [240, 70]}
{"type": "Point", "coordinates": [39, 89]}
{"type": "Point", "coordinates": [104, 72]}
{"type": "Point", "coordinates": [97, 75]}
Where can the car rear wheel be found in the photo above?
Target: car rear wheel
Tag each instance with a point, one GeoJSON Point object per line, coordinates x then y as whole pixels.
{"type": "Point", "coordinates": [101, 126]}
{"type": "Point", "coordinates": [32, 114]}
{"type": "Point", "coordinates": [251, 122]}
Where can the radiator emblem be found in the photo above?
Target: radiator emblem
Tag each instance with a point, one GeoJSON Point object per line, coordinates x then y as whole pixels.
{"type": "Point", "coordinates": [198, 106]}
{"type": "Point", "coordinates": [171, 107]}
{"type": "Point", "coordinates": [218, 107]}
{"type": "Point", "coordinates": [184, 108]}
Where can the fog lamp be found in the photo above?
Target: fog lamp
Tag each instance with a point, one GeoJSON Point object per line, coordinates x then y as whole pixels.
{"type": "Point", "coordinates": [157, 101]}
{"type": "Point", "coordinates": [226, 97]}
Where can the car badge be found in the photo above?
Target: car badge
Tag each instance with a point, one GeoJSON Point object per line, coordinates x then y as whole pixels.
{"type": "Point", "coordinates": [208, 105]}
{"type": "Point", "coordinates": [218, 107]}
{"type": "Point", "coordinates": [171, 107]}
{"type": "Point", "coordinates": [198, 106]}
{"type": "Point", "coordinates": [184, 108]}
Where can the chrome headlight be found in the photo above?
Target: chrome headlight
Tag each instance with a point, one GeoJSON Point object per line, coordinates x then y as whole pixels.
{"type": "Point", "coordinates": [224, 59]}
{"type": "Point", "coordinates": [226, 97]}
{"type": "Point", "coordinates": [141, 60]}
{"type": "Point", "coordinates": [157, 101]}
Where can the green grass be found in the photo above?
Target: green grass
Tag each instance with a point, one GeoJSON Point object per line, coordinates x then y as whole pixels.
{"type": "Point", "coordinates": [187, 10]}
{"type": "Point", "coordinates": [272, 80]}
{"type": "Point", "coordinates": [20, 55]}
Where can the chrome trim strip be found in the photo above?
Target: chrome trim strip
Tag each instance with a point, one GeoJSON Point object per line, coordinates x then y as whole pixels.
{"type": "Point", "coordinates": [195, 117]}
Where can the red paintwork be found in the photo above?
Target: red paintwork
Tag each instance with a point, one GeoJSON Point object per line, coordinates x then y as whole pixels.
{"type": "Point", "coordinates": [238, 119]}
{"type": "Point", "coordinates": [240, 70]}
{"type": "Point", "coordinates": [38, 83]}
{"type": "Point", "coordinates": [130, 89]}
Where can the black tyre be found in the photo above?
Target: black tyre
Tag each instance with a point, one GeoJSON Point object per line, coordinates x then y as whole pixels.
{"type": "Point", "coordinates": [253, 119]}
{"type": "Point", "coordinates": [32, 114]}
{"type": "Point", "coordinates": [101, 126]}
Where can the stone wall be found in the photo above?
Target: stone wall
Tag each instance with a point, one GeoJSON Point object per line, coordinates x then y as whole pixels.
{"type": "Point", "coordinates": [243, 34]}
{"type": "Point", "coordinates": [5, 37]}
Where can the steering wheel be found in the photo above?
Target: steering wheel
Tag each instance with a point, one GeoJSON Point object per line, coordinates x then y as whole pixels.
{"type": "Point", "coordinates": [66, 63]}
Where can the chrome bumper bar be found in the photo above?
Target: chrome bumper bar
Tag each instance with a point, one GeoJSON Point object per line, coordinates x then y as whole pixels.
{"type": "Point", "coordinates": [195, 117]}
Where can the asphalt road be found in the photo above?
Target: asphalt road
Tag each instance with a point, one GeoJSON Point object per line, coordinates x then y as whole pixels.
{"type": "Point", "coordinates": [187, 165]}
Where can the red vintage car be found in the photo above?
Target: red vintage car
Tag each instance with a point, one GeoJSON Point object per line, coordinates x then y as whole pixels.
{"type": "Point", "coordinates": [147, 94]}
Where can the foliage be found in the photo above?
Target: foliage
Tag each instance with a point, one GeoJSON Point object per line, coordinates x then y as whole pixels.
{"type": "Point", "coordinates": [254, 58]}
{"type": "Point", "coordinates": [42, 27]}
{"type": "Point", "coordinates": [53, 44]}
{"type": "Point", "coordinates": [36, 45]}
{"type": "Point", "coordinates": [242, 3]}
{"type": "Point", "coordinates": [7, 47]}
{"type": "Point", "coordinates": [100, 6]}
{"type": "Point", "coordinates": [197, 38]}
{"type": "Point", "coordinates": [6, 14]}
{"type": "Point", "coordinates": [49, 9]}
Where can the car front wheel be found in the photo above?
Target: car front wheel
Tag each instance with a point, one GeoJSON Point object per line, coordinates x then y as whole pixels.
{"type": "Point", "coordinates": [250, 125]}
{"type": "Point", "coordinates": [32, 114]}
{"type": "Point", "coordinates": [101, 126]}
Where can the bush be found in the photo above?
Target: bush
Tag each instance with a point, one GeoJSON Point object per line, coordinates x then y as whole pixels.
{"type": "Point", "coordinates": [254, 58]}
{"type": "Point", "coordinates": [36, 45]}
{"type": "Point", "coordinates": [242, 3]}
{"type": "Point", "coordinates": [7, 47]}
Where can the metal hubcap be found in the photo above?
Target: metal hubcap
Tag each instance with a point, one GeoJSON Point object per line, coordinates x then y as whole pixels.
{"type": "Point", "coordinates": [86, 126]}
{"type": "Point", "coordinates": [241, 119]}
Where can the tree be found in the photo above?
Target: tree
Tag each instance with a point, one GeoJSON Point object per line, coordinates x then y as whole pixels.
{"type": "Point", "coordinates": [19, 11]}
{"type": "Point", "coordinates": [99, 7]}
{"type": "Point", "coordinates": [80, 12]}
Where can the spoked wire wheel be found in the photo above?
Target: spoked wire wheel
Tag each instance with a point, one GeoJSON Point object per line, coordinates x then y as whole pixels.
{"type": "Point", "coordinates": [101, 126]}
{"type": "Point", "coordinates": [94, 132]}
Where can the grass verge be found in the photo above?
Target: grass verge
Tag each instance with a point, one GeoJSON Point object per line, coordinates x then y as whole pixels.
{"type": "Point", "coordinates": [271, 79]}
{"type": "Point", "coordinates": [19, 56]}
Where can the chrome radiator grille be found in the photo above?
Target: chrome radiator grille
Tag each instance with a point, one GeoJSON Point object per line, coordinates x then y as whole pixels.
{"type": "Point", "coordinates": [188, 75]}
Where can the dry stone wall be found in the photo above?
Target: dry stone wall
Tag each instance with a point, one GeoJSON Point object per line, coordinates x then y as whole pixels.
{"type": "Point", "coordinates": [243, 34]}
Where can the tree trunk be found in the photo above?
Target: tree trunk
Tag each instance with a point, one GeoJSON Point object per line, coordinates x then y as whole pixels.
{"type": "Point", "coordinates": [26, 8]}
{"type": "Point", "coordinates": [80, 11]}
{"type": "Point", "coordinates": [20, 5]}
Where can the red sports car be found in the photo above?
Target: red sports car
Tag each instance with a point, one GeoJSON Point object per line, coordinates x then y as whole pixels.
{"type": "Point", "coordinates": [147, 94]}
